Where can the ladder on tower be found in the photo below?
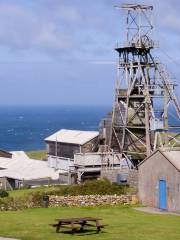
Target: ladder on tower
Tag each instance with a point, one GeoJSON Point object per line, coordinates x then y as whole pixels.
{"type": "Point", "coordinates": [169, 86]}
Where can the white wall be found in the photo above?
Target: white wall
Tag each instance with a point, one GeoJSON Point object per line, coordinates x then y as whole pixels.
{"type": "Point", "coordinates": [60, 163]}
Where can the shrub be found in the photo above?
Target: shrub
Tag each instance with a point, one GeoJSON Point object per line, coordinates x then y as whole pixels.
{"type": "Point", "coordinates": [31, 200]}
{"type": "Point", "coordinates": [35, 199]}
{"type": "Point", "coordinates": [91, 187]}
{"type": "Point", "coordinates": [3, 193]}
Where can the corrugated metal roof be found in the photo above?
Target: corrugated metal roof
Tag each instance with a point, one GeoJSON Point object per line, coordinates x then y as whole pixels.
{"type": "Point", "coordinates": [72, 136]}
{"type": "Point", "coordinates": [26, 168]}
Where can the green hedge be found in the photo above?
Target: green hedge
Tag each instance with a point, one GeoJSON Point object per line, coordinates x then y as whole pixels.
{"type": "Point", "coordinates": [35, 199]}
{"type": "Point", "coordinates": [100, 187]}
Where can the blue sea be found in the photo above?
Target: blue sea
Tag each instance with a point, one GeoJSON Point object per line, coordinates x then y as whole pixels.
{"type": "Point", "coordinates": [25, 127]}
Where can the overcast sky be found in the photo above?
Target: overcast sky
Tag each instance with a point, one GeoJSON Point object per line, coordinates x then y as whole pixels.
{"type": "Point", "coordinates": [61, 51]}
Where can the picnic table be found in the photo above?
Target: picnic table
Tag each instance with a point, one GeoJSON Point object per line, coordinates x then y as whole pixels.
{"type": "Point", "coordinates": [78, 224]}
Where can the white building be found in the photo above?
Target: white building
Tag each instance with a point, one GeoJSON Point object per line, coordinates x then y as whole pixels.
{"type": "Point", "coordinates": [19, 170]}
{"type": "Point", "coordinates": [79, 155]}
{"type": "Point", "coordinates": [62, 145]}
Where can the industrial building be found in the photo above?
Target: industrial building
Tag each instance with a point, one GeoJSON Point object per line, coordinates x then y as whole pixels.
{"type": "Point", "coordinates": [80, 155]}
{"type": "Point", "coordinates": [62, 145]}
{"type": "Point", "coordinates": [159, 180]}
{"type": "Point", "coordinates": [20, 171]}
{"type": "Point", "coordinates": [65, 143]}
{"type": "Point", "coordinates": [62, 148]}
{"type": "Point", "coordinates": [144, 93]}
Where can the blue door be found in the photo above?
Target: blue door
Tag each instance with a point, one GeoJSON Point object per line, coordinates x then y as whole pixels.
{"type": "Point", "coordinates": [162, 194]}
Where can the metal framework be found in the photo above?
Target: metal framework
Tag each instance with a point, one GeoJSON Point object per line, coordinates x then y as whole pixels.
{"type": "Point", "coordinates": [143, 94]}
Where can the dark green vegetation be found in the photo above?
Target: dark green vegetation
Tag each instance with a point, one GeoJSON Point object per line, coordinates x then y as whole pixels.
{"type": "Point", "coordinates": [3, 193]}
{"type": "Point", "coordinates": [32, 198]}
{"type": "Point", "coordinates": [39, 154]}
{"type": "Point", "coordinates": [101, 187]}
{"type": "Point", "coordinates": [124, 223]}
{"type": "Point", "coordinates": [92, 187]}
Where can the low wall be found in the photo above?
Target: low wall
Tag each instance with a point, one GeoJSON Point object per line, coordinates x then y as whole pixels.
{"type": "Point", "coordinates": [111, 175]}
{"type": "Point", "coordinates": [133, 178]}
{"type": "Point", "coordinates": [92, 200]}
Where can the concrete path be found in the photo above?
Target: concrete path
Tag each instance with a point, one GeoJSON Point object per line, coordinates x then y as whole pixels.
{"type": "Point", "coordinates": [155, 211]}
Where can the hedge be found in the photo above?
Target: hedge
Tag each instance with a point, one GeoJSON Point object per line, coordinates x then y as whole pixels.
{"type": "Point", "coordinates": [35, 199]}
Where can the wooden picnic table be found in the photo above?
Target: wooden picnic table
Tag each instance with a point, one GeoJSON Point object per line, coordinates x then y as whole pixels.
{"type": "Point", "coordinates": [78, 223]}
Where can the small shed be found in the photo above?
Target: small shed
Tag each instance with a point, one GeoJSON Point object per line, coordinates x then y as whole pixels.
{"type": "Point", "coordinates": [65, 143]}
{"type": "Point", "coordinates": [159, 180]}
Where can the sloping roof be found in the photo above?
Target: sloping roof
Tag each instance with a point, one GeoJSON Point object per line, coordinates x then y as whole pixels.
{"type": "Point", "coordinates": [173, 156]}
{"type": "Point", "coordinates": [4, 153]}
{"type": "Point", "coordinates": [72, 136]}
{"type": "Point", "coordinates": [26, 169]}
{"type": "Point", "coordinates": [19, 155]}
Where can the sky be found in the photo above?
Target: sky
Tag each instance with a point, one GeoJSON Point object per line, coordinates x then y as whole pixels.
{"type": "Point", "coordinates": [62, 51]}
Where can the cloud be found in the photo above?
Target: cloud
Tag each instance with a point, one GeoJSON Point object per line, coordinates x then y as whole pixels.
{"type": "Point", "coordinates": [57, 27]}
{"type": "Point", "coordinates": [21, 28]}
{"type": "Point", "coordinates": [74, 28]}
{"type": "Point", "coordinates": [67, 45]}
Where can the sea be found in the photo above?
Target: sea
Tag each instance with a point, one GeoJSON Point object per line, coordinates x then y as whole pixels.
{"type": "Point", "coordinates": [26, 127]}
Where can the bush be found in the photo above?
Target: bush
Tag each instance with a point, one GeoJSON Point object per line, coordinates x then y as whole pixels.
{"type": "Point", "coordinates": [100, 187]}
{"type": "Point", "coordinates": [31, 200]}
{"type": "Point", "coordinates": [35, 199]}
{"type": "Point", "coordinates": [3, 193]}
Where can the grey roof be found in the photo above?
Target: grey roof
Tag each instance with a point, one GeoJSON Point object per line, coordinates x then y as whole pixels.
{"type": "Point", "coordinates": [72, 136]}
{"type": "Point", "coordinates": [23, 168]}
{"type": "Point", "coordinates": [172, 155]}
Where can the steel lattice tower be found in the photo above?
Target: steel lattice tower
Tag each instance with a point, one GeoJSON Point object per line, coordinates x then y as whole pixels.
{"type": "Point", "coordinates": [143, 93]}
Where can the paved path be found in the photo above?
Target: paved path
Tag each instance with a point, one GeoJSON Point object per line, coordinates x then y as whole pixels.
{"type": "Point", "coordinates": [155, 211]}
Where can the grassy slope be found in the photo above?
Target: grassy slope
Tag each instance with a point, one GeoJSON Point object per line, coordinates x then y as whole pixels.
{"type": "Point", "coordinates": [39, 154]}
{"type": "Point", "coordinates": [101, 187]}
{"type": "Point", "coordinates": [22, 192]}
{"type": "Point", "coordinates": [124, 223]}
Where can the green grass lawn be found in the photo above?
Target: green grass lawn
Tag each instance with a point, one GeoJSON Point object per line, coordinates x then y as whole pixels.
{"type": "Point", "coordinates": [124, 223]}
{"type": "Point", "coordinates": [38, 154]}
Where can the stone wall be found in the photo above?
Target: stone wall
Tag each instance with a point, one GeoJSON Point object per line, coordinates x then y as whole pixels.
{"type": "Point", "coordinates": [132, 178]}
{"type": "Point", "coordinates": [92, 200]}
{"type": "Point", "coordinates": [111, 175]}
